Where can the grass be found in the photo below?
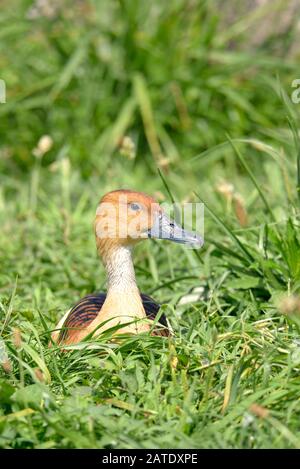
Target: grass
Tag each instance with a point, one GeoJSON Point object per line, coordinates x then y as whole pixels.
{"type": "Point", "coordinates": [210, 118]}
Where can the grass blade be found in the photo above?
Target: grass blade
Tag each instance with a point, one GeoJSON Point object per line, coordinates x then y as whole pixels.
{"type": "Point", "coordinates": [252, 177]}
{"type": "Point", "coordinates": [227, 230]}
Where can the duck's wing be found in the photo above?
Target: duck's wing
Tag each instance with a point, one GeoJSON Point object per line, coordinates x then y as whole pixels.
{"type": "Point", "coordinates": [88, 308]}
{"type": "Point", "coordinates": [152, 308]}
{"type": "Point", "coordinates": [80, 316]}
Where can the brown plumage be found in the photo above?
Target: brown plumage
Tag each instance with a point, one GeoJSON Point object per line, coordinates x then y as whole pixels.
{"type": "Point", "coordinates": [87, 309]}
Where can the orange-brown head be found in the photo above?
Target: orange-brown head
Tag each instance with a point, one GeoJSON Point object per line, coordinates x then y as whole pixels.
{"type": "Point", "coordinates": [125, 217]}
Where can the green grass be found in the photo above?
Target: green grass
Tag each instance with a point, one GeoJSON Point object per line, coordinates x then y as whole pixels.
{"type": "Point", "coordinates": [203, 105]}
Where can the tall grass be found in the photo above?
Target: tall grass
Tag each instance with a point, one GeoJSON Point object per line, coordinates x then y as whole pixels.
{"type": "Point", "coordinates": [208, 109]}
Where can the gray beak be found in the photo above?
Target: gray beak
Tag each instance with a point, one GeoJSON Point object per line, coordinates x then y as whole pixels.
{"type": "Point", "coordinates": [164, 228]}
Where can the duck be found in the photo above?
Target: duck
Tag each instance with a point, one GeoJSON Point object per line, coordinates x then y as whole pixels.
{"type": "Point", "coordinates": [123, 219]}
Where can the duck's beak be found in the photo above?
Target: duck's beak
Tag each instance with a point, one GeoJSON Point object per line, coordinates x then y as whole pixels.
{"type": "Point", "coordinates": [164, 228]}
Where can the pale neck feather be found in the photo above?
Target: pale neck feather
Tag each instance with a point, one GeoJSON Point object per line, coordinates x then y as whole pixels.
{"type": "Point", "coordinates": [120, 271]}
{"type": "Point", "coordinates": [123, 303]}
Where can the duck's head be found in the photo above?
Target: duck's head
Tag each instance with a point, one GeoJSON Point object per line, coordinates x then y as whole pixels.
{"type": "Point", "coordinates": [126, 217]}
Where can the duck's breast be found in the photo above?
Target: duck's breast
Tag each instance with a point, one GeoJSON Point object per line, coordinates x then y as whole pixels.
{"type": "Point", "coordinates": [88, 308]}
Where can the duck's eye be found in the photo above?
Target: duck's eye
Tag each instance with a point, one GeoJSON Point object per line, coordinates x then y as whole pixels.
{"type": "Point", "coordinates": [135, 207]}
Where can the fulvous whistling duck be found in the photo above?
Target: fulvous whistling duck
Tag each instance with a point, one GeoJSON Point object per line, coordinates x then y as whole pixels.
{"type": "Point", "coordinates": [123, 218]}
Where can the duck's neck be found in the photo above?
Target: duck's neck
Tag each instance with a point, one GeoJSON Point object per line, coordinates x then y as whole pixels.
{"type": "Point", "coordinates": [120, 271]}
{"type": "Point", "coordinates": [123, 302]}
